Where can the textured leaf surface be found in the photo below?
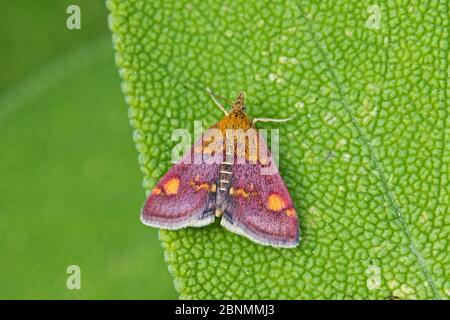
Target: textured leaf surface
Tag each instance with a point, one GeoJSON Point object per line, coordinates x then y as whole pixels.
{"type": "Point", "coordinates": [366, 158]}
{"type": "Point", "coordinates": [67, 163]}
{"type": "Point", "coordinates": [64, 176]}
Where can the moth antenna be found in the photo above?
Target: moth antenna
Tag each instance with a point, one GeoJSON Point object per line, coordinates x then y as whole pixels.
{"type": "Point", "coordinates": [223, 98]}
{"type": "Point", "coordinates": [271, 120]}
{"type": "Point", "coordinates": [217, 103]}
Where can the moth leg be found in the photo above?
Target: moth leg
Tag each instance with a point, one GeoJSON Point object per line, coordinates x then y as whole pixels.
{"type": "Point", "coordinates": [217, 103]}
{"type": "Point", "coordinates": [271, 120]}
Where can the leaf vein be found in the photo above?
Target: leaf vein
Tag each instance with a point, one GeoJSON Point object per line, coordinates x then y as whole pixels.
{"type": "Point", "coordinates": [365, 140]}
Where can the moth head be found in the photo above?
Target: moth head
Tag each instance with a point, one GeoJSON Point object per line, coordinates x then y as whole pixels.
{"type": "Point", "coordinates": [239, 104]}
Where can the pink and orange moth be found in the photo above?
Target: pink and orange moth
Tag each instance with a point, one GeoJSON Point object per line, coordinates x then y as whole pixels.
{"type": "Point", "coordinates": [228, 182]}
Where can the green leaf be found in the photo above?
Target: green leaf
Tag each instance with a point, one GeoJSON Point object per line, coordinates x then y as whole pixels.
{"type": "Point", "coordinates": [366, 159]}
{"type": "Point", "coordinates": [69, 193]}
{"type": "Point", "coordinates": [34, 33]}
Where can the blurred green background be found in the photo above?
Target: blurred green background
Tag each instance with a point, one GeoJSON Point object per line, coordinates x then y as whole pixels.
{"type": "Point", "coordinates": [70, 187]}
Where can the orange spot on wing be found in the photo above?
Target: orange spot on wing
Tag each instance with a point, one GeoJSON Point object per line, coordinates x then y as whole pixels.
{"type": "Point", "coordinates": [241, 193]}
{"type": "Point", "coordinates": [156, 191]}
{"type": "Point", "coordinates": [202, 186]}
{"type": "Point", "coordinates": [275, 202]}
{"type": "Point", "coordinates": [171, 186]}
{"type": "Point", "coordinates": [290, 212]}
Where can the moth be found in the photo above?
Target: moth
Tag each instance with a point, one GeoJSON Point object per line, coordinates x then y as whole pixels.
{"type": "Point", "coordinates": [229, 182]}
